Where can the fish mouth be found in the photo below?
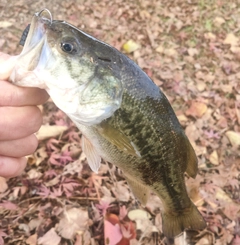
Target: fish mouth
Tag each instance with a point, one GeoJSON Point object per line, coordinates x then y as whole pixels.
{"type": "Point", "coordinates": [36, 52]}
{"type": "Point", "coordinates": [36, 30]}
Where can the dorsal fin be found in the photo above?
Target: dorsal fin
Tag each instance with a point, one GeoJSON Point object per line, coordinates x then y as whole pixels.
{"type": "Point", "coordinates": [94, 160]}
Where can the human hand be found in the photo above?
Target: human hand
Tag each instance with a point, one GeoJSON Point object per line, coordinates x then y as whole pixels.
{"type": "Point", "coordinates": [20, 118]}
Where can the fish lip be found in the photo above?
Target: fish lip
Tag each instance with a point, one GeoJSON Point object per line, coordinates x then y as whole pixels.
{"type": "Point", "coordinates": [38, 29]}
{"type": "Point", "coordinates": [31, 59]}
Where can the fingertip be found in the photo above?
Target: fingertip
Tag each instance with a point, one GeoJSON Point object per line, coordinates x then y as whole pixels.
{"type": "Point", "coordinates": [12, 167]}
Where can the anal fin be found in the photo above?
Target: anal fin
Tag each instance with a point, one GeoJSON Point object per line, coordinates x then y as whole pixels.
{"type": "Point", "coordinates": [139, 190]}
{"type": "Point", "coordinates": [94, 160]}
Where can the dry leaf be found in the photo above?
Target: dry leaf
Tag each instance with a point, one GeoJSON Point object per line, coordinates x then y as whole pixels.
{"type": "Point", "coordinates": [218, 21]}
{"type": "Point", "coordinates": [233, 137]}
{"type": "Point", "coordinates": [130, 46]}
{"type": "Point", "coordinates": [73, 221]}
{"type": "Point", "coordinates": [170, 52]}
{"type": "Point", "coordinates": [210, 36]}
{"type": "Point", "coordinates": [201, 86]}
{"type": "Point", "coordinates": [197, 109]}
{"type": "Point", "coordinates": [3, 185]}
{"type": "Point", "coordinates": [222, 196]}
{"type": "Point", "coordinates": [47, 131]}
{"type": "Point", "coordinates": [39, 155]}
{"type": "Point", "coordinates": [5, 24]}
{"type": "Point", "coordinates": [34, 174]}
{"type": "Point", "coordinates": [193, 51]}
{"type": "Point", "coordinates": [32, 240]}
{"type": "Point", "coordinates": [112, 233]}
{"type": "Point", "coordinates": [213, 158]}
{"type": "Point", "coordinates": [50, 238]}
{"type": "Point", "coordinates": [235, 49]}
{"type": "Point", "coordinates": [231, 39]}
{"type": "Point", "coordinates": [160, 49]}
{"type": "Point", "coordinates": [182, 118]}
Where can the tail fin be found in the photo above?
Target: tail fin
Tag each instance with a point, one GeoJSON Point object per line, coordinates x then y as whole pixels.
{"type": "Point", "coordinates": [174, 224]}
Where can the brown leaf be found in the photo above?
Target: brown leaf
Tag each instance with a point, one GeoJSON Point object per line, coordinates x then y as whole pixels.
{"type": "Point", "coordinates": [32, 240]}
{"type": "Point", "coordinates": [3, 185]}
{"type": "Point", "coordinates": [197, 109]}
{"type": "Point", "coordinates": [231, 39]}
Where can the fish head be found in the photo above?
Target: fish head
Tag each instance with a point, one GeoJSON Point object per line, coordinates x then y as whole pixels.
{"type": "Point", "coordinates": [72, 66]}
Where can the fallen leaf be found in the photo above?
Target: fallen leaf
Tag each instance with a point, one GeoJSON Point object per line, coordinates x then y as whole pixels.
{"type": "Point", "coordinates": [182, 118]}
{"type": "Point", "coordinates": [48, 131]}
{"type": "Point", "coordinates": [112, 233]}
{"type": "Point", "coordinates": [232, 210]}
{"type": "Point", "coordinates": [213, 158]}
{"type": "Point", "coordinates": [130, 46]}
{"type": "Point", "coordinates": [32, 240]}
{"type": "Point", "coordinates": [236, 240]}
{"type": "Point", "coordinates": [218, 21]}
{"type": "Point", "coordinates": [234, 137]}
{"type": "Point", "coordinates": [201, 86]}
{"type": "Point", "coordinates": [8, 205]}
{"type": "Point", "coordinates": [50, 238]}
{"type": "Point", "coordinates": [73, 220]}
{"type": "Point", "coordinates": [210, 36]}
{"type": "Point", "coordinates": [3, 185]}
{"type": "Point", "coordinates": [5, 24]}
{"type": "Point", "coordinates": [231, 39]}
{"type": "Point", "coordinates": [235, 49]}
{"type": "Point", "coordinates": [193, 51]}
{"type": "Point", "coordinates": [197, 109]}
{"type": "Point", "coordinates": [170, 52]}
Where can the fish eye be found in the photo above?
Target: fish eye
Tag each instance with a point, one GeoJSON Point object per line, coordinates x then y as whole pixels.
{"type": "Point", "coordinates": [69, 45]}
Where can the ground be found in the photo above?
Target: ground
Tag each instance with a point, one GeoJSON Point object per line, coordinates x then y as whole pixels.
{"type": "Point", "coordinates": [191, 50]}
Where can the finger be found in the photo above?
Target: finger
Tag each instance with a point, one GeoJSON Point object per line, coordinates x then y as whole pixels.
{"type": "Point", "coordinates": [19, 122]}
{"type": "Point", "coordinates": [7, 64]}
{"type": "Point", "coordinates": [20, 147]}
{"type": "Point", "coordinates": [11, 167]}
{"type": "Point", "coordinates": [12, 95]}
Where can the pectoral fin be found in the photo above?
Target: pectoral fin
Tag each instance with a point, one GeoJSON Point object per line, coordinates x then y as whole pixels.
{"type": "Point", "coordinates": [139, 190]}
{"type": "Point", "coordinates": [119, 139]}
{"type": "Point", "coordinates": [94, 160]}
{"type": "Point", "coordinates": [192, 163]}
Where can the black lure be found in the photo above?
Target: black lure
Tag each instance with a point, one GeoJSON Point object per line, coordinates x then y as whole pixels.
{"type": "Point", "coordinates": [24, 35]}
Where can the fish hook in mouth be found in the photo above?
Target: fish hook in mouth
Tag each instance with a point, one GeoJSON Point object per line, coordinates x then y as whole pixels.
{"type": "Point", "coordinates": [43, 13]}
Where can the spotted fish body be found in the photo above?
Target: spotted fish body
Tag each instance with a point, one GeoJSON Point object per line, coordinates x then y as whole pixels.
{"type": "Point", "coordinates": [123, 116]}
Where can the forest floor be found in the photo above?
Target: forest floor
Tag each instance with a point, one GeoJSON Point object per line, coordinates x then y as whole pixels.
{"type": "Point", "coordinates": [191, 49]}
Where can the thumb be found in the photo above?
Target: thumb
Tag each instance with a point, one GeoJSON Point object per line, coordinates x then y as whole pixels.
{"type": "Point", "coordinates": [7, 64]}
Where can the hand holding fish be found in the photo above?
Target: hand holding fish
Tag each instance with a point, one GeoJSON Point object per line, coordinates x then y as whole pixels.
{"type": "Point", "coordinates": [20, 118]}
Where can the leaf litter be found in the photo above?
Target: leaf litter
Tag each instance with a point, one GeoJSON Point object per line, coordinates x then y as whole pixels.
{"type": "Point", "coordinates": [191, 49]}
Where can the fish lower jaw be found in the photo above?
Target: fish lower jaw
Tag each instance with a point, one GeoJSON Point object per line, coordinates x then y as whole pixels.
{"type": "Point", "coordinates": [21, 77]}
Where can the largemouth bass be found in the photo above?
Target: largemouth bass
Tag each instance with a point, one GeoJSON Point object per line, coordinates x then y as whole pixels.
{"type": "Point", "coordinates": [123, 116]}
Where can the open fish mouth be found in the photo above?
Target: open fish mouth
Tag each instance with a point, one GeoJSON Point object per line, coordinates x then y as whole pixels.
{"type": "Point", "coordinates": [35, 31]}
{"type": "Point", "coordinates": [36, 51]}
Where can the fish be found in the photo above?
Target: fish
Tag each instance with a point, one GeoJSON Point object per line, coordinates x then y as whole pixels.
{"type": "Point", "coordinates": [124, 117]}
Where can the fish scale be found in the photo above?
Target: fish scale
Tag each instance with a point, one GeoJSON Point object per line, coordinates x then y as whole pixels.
{"type": "Point", "coordinates": [124, 117]}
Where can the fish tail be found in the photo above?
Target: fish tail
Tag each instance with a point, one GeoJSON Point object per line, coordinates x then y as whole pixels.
{"type": "Point", "coordinates": [176, 223]}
